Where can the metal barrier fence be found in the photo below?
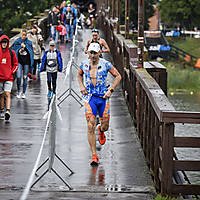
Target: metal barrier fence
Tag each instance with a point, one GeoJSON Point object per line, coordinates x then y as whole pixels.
{"type": "Point", "coordinates": [51, 129]}
{"type": "Point", "coordinates": [68, 72]}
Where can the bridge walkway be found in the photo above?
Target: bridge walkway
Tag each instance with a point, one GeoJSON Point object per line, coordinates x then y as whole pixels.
{"type": "Point", "coordinates": [122, 163]}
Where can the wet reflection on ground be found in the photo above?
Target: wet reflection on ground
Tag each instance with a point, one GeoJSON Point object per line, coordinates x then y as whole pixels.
{"type": "Point", "coordinates": [121, 159]}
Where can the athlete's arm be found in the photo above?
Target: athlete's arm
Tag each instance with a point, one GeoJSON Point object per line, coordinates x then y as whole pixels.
{"type": "Point", "coordinates": [87, 45]}
{"type": "Point", "coordinates": [116, 81]}
{"type": "Point", "coordinates": [106, 47]}
{"type": "Point", "coordinates": [83, 89]}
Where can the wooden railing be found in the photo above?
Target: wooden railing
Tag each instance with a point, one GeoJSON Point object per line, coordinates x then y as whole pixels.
{"type": "Point", "coordinates": [145, 91]}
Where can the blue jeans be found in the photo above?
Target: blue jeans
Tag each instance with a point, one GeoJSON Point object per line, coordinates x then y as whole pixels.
{"type": "Point", "coordinates": [25, 69]}
{"type": "Point", "coordinates": [70, 31]}
{"type": "Point", "coordinates": [54, 33]}
{"type": "Point", "coordinates": [51, 80]}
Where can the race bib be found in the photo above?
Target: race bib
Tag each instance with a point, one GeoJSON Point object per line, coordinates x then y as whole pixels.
{"type": "Point", "coordinates": [4, 61]}
{"type": "Point", "coordinates": [51, 62]}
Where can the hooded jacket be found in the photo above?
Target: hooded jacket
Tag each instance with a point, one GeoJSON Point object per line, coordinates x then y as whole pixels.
{"type": "Point", "coordinates": [17, 46]}
{"type": "Point", "coordinates": [6, 68]}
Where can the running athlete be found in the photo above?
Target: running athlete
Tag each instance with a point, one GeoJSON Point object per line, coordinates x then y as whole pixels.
{"type": "Point", "coordinates": [104, 48]}
{"type": "Point", "coordinates": [95, 71]}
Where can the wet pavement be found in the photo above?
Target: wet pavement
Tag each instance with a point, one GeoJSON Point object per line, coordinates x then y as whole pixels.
{"type": "Point", "coordinates": [122, 173]}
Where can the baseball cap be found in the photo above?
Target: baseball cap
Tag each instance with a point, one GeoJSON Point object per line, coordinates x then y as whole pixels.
{"type": "Point", "coordinates": [52, 43]}
{"type": "Point", "coordinates": [94, 47]}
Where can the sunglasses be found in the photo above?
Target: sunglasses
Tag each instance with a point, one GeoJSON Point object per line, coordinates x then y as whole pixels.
{"type": "Point", "coordinates": [95, 30]}
{"type": "Point", "coordinates": [93, 52]}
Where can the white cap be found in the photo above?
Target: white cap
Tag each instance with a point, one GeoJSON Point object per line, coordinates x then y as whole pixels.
{"type": "Point", "coordinates": [52, 43]}
{"type": "Point", "coordinates": [94, 47]}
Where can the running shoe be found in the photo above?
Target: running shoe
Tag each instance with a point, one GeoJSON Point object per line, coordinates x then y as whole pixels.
{"type": "Point", "coordinates": [18, 95]}
{"type": "Point", "coordinates": [49, 94]}
{"type": "Point", "coordinates": [102, 137]}
{"type": "Point", "coordinates": [7, 115]}
{"type": "Point", "coordinates": [53, 94]}
{"type": "Point", "coordinates": [94, 160]}
{"type": "Point", "coordinates": [2, 115]}
{"type": "Point", "coordinates": [23, 96]}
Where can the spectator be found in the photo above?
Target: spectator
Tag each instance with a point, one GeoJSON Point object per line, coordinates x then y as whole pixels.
{"type": "Point", "coordinates": [24, 51]}
{"type": "Point", "coordinates": [68, 20]}
{"type": "Point", "coordinates": [75, 11]}
{"type": "Point", "coordinates": [54, 19]}
{"type": "Point", "coordinates": [62, 6]}
{"type": "Point", "coordinates": [36, 39]}
{"type": "Point", "coordinates": [52, 63]}
{"type": "Point", "coordinates": [8, 66]}
{"type": "Point", "coordinates": [63, 32]}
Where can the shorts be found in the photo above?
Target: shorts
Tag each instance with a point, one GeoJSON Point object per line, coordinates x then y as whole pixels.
{"type": "Point", "coordinates": [97, 104]}
{"type": "Point", "coordinates": [6, 86]}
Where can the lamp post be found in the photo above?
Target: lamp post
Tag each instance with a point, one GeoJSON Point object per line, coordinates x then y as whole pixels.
{"type": "Point", "coordinates": [127, 16]}
{"type": "Point", "coordinates": [118, 16]}
{"type": "Point", "coordinates": [140, 33]}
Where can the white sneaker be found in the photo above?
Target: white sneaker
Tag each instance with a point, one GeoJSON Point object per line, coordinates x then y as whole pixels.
{"type": "Point", "coordinates": [18, 95]}
{"type": "Point", "coordinates": [2, 115]}
{"type": "Point", "coordinates": [23, 96]}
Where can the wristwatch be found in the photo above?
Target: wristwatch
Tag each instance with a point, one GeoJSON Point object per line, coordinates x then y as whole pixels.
{"type": "Point", "coordinates": [111, 90]}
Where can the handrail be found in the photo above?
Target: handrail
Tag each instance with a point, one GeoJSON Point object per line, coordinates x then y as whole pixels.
{"type": "Point", "coordinates": [166, 116]}
{"type": "Point", "coordinates": [182, 51]}
{"type": "Point", "coordinates": [145, 92]}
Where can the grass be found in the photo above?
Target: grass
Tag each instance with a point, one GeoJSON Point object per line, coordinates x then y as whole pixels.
{"type": "Point", "coordinates": [159, 197]}
{"type": "Point", "coordinates": [180, 78]}
{"type": "Point", "coordinates": [190, 45]}
{"type": "Point", "coordinates": [181, 75]}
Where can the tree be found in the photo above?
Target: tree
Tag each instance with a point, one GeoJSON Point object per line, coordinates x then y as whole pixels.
{"type": "Point", "coordinates": [148, 11]}
{"type": "Point", "coordinates": [14, 13]}
{"type": "Point", "coordinates": [180, 12]}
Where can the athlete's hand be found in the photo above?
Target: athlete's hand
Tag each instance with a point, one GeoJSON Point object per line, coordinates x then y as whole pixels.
{"type": "Point", "coordinates": [83, 90]}
{"type": "Point", "coordinates": [107, 94]}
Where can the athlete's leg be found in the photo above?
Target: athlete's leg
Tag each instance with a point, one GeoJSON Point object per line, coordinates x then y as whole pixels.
{"type": "Point", "coordinates": [104, 113]}
{"type": "Point", "coordinates": [91, 134]}
{"type": "Point", "coordinates": [90, 112]}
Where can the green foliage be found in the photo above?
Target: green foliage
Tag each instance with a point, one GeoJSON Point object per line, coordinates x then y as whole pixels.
{"type": "Point", "coordinates": [159, 197]}
{"type": "Point", "coordinates": [180, 78]}
{"type": "Point", "coordinates": [14, 13]}
{"type": "Point", "coordinates": [181, 12]}
{"type": "Point", "coordinates": [148, 11]}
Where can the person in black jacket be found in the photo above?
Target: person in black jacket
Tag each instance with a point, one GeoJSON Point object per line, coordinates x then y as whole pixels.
{"type": "Point", "coordinates": [54, 19]}
{"type": "Point", "coordinates": [69, 21]}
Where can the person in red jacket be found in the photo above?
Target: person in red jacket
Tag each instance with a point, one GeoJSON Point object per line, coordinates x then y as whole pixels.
{"type": "Point", "coordinates": [8, 66]}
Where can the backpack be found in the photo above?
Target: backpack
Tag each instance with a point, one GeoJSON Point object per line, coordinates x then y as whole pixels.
{"type": "Point", "coordinates": [11, 54]}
